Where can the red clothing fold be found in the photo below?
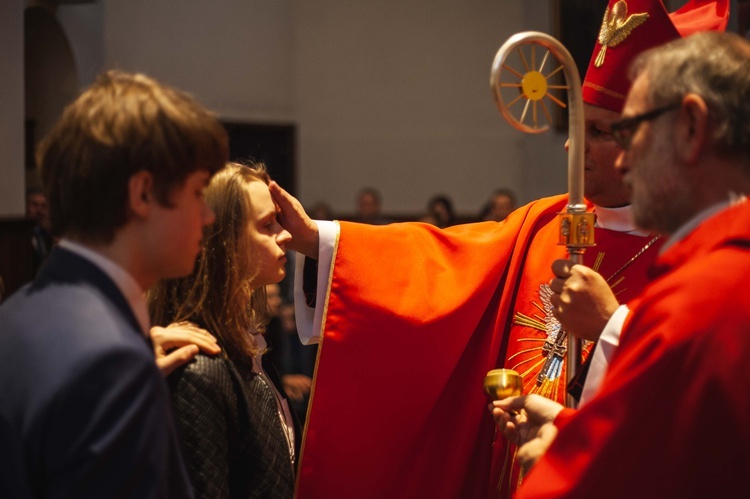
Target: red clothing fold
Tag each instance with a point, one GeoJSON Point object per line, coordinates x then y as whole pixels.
{"type": "Point", "coordinates": [415, 318]}
{"type": "Point", "coordinates": [671, 419]}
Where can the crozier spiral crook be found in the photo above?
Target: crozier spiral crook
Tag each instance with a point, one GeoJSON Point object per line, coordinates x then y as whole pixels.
{"type": "Point", "coordinates": [524, 96]}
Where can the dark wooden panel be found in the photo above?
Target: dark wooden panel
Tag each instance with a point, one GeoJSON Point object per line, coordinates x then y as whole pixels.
{"type": "Point", "coordinates": [16, 261]}
{"type": "Point", "coordinates": [273, 145]}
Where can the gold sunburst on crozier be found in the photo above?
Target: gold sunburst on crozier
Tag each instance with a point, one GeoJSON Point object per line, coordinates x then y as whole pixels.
{"type": "Point", "coordinates": [533, 85]}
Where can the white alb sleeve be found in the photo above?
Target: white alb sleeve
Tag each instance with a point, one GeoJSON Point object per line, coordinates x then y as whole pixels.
{"type": "Point", "coordinates": [309, 319]}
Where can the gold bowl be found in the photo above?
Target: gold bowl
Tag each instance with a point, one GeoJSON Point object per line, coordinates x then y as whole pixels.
{"type": "Point", "coordinates": [503, 383]}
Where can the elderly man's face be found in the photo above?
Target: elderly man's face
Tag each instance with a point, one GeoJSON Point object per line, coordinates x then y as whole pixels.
{"type": "Point", "coordinates": [660, 199]}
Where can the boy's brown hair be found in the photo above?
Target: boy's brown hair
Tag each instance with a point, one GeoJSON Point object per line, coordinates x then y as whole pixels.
{"type": "Point", "coordinates": [122, 124]}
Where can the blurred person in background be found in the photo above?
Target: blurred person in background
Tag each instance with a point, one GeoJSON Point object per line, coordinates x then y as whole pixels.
{"type": "Point", "coordinates": [500, 205]}
{"type": "Point", "coordinates": [440, 212]}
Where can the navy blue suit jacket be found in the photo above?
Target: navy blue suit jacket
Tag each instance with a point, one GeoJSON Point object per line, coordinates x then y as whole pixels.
{"type": "Point", "coordinates": [84, 411]}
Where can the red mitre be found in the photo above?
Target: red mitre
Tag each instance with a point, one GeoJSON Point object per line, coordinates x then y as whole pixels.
{"type": "Point", "coordinates": [633, 26]}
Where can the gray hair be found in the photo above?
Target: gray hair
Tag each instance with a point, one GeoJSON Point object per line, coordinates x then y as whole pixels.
{"type": "Point", "coordinates": [713, 65]}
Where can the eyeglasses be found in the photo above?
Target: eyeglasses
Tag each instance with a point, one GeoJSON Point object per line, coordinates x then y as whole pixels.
{"type": "Point", "coordinates": [623, 130]}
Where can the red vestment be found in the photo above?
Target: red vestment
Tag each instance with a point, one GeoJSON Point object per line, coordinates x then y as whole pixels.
{"type": "Point", "coordinates": [671, 417]}
{"type": "Point", "coordinates": [415, 318]}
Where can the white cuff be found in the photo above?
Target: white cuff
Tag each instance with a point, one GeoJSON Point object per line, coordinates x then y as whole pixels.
{"type": "Point", "coordinates": [602, 354]}
{"type": "Point", "coordinates": [309, 319]}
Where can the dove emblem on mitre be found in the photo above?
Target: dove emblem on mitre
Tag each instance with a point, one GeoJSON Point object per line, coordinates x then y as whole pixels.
{"type": "Point", "coordinates": [616, 27]}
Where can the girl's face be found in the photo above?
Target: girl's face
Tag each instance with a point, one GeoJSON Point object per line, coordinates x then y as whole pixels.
{"type": "Point", "coordinates": [267, 238]}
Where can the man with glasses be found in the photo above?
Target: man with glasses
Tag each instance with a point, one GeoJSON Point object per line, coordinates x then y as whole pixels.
{"type": "Point", "coordinates": [671, 417]}
{"type": "Point", "coordinates": [413, 317]}
{"type": "Point", "coordinates": [623, 130]}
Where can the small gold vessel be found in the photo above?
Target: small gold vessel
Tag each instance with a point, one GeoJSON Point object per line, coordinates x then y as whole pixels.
{"type": "Point", "coordinates": [503, 383]}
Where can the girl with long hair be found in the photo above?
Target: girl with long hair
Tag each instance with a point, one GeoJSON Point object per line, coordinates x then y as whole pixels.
{"type": "Point", "coordinates": [238, 432]}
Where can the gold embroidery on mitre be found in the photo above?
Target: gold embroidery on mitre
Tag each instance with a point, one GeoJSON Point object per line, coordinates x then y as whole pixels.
{"type": "Point", "coordinates": [616, 27]}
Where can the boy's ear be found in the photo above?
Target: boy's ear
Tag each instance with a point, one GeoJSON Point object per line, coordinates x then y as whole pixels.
{"type": "Point", "coordinates": [140, 192]}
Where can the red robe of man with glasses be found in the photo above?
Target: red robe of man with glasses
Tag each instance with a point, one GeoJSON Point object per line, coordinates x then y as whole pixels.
{"type": "Point", "coordinates": [682, 363]}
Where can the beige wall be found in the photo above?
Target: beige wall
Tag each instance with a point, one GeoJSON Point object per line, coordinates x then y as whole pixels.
{"type": "Point", "coordinates": [235, 56]}
{"type": "Point", "coordinates": [395, 95]}
{"type": "Point", "coordinates": [389, 93]}
{"type": "Point", "coordinates": [392, 93]}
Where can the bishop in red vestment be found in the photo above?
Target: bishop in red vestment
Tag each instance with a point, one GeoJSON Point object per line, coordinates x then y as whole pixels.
{"type": "Point", "coordinates": [414, 317]}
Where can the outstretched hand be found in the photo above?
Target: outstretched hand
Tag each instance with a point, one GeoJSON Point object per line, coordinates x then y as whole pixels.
{"type": "Point", "coordinates": [527, 421]}
{"type": "Point", "coordinates": [530, 452]}
{"type": "Point", "coordinates": [293, 218]}
{"type": "Point", "coordinates": [582, 300]}
{"type": "Point", "coordinates": [179, 343]}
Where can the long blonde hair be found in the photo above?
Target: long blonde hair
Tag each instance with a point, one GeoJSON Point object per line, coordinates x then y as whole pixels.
{"type": "Point", "coordinates": [218, 295]}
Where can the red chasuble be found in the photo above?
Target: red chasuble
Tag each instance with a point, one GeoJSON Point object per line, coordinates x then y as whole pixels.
{"type": "Point", "coordinates": [414, 319]}
{"type": "Point", "coordinates": [671, 418]}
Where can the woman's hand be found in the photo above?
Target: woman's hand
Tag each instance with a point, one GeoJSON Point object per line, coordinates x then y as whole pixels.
{"type": "Point", "coordinates": [179, 343]}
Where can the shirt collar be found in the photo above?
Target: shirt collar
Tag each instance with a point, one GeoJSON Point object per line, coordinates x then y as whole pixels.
{"type": "Point", "coordinates": [125, 283]}
{"type": "Point", "coordinates": [617, 219]}
{"type": "Point", "coordinates": [694, 222]}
